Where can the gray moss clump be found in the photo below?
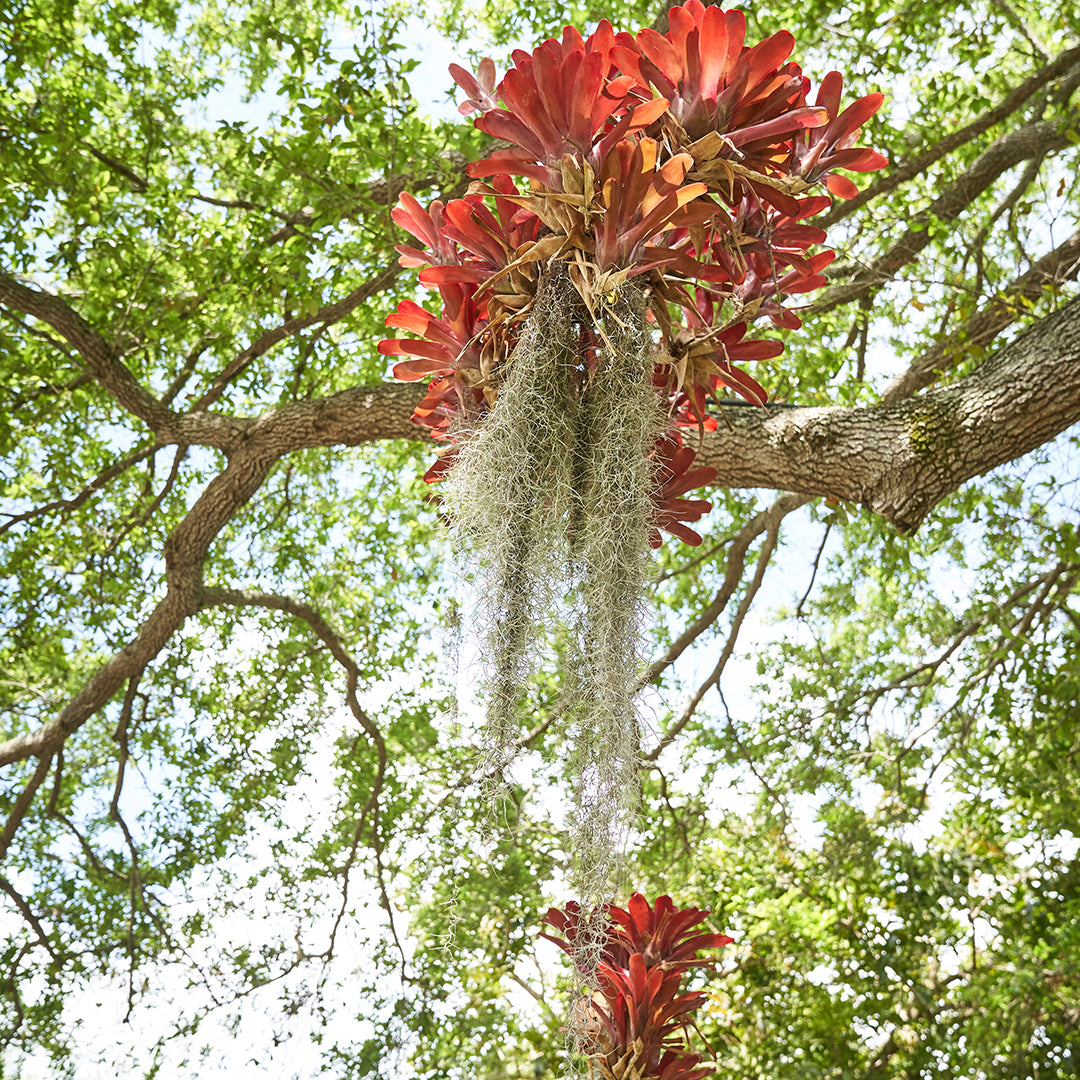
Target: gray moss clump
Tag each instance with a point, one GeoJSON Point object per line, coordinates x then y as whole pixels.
{"type": "Point", "coordinates": [510, 494]}
{"type": "Point", "coordinates": [551, 496]}
{"type": "Point", "coordinates": [620, 420]}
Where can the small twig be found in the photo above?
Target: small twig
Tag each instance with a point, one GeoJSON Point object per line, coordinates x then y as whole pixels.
{"type": "Point", "coordinates": [246, 204]}
{"type": "Point", "coordinates": [864, 337]}
{"type": "Point", "coordinates": [1039, 48]}
{"type": "Point", "coordinates": [680, 824]}
{"type": "Point", "coordinates": [27, 913]}
{"type": "Point", "coordinates": [537, 997]}
{"type": "Point", "coordinates": [747, 757]}
{"type": "Point", "coordinates": [668, 574]}
{"type": "Point", "coordinates": [135, 879]}
{"type": "Point", "coordinates": [758, 524]}
{"type": "Point", "coordinates": [134, 520]}
{"type": "Point", "coordinates": [327, 314]}
{"type": "Point", "coordinates": [813, 574]}
{"type": "Point", "coordinates": [764, 556]}
{"type": "Point", "coordinates": [370, 809]}
{"type": "Point", "coordinates": [384, 896]}
{"type": "Point", "coordinates": [138, 183]}
{"type": "Point", "coordinates": [95, 485]}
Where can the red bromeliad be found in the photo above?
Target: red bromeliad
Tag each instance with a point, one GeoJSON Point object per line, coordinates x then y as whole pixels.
{"type": "Point", "coordinates": [684, 160]}
{"type": "Point", "coordinates": [597, 289]}
{"type": "Point", "coordinates": [634, 1025]}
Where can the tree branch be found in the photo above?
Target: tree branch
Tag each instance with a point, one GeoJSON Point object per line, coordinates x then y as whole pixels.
{"type": "Point", "coordinates": [901, 459]}
{"type": "Point", "coordinates": [212, 596]}
{"type": "Point", "coordinates": [322, 630]}
{"type": "Point", "coordinates": [1053, 269]}
{"type": "Point", "coordinates": [918, 165]}
{"type": "Point", "coordinates": [22, 803]}
{"type": "Point", "coordinates": [28, 914]}
{"type": "Point", "coordinates": [1001, 155]}
{"type": "Point", "coordinates": [898, 459]}
{"type": "Point", "coordinates": [766, 521]}
{"type": "Point", "coordinates": [772, 534]}
{"type": "Point", "coordinates": [100, 481]}
{"type": "Point", "coordinates": [98, 355]}
{"type": "Point", "coordinates": [185, 551]}
{"type": "Point", "coordinates": [328, 313]}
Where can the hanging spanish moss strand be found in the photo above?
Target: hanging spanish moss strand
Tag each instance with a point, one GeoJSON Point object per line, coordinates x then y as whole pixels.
{"type": "Point", "coordinates": [510, 493]}
{"type": "Point", "coordinates": [621, 418]}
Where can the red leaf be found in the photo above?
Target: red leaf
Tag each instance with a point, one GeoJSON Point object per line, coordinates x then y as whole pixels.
{"type": "Point", "coordinates": [683, 532]}
{"type": "Point", "coordinates": [854, 116]}
{"type": "Point", "coordinates": [440, 468]}
{"type": "Point", "coordinates": [859, 160]}
{"type": "Point", "coordinates": [828, 95]}
{"type": "Point", "coordinates": [641, 914]}
{"type": "Point", "coordinates": [661, 52]}
{"type": "Point", "coordinates": [445, 275]}
{"type": "Point", "coordinates": [415, 370]}
{"type": "Point", "coordinates": [743, 385]}
{"type": "Point", "coordinates": [416, 347]}
{"type": "Point", "coordinates": [646, 114]}
{"type": "Point", "coordinates": [500, 124]}
{"type": "Point", "coordinates": [841, 186]}
{"type": "Point", "coordinates": [754, 349]}
{"type": "Point", "coordinates": [766, 56]}
{"type": "Point", "coordinates": [479, 89]}
{"type": "Point", "coordinates": [713, 42]}
{"type": "Point", "coordinates": [795, 120]}
{"type": "Point", "coordinates": [512, 162]}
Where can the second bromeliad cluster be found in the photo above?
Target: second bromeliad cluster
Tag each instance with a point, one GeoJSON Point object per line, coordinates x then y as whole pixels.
{"type": "Point", "coordinates": [686, 160]}
{"type": "Point", "coordinates": [634, 1024]}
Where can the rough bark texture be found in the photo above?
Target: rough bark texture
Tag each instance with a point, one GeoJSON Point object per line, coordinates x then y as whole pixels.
{"type": "Point", "coordinates": [901, 459]}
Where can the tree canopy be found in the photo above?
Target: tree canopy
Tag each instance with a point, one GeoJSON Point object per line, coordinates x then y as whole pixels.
{"type": "Point", "coordinates": [240, 753]}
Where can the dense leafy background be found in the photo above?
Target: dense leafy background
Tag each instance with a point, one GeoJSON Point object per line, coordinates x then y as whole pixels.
{"type": "Point", "coordinates": [879, 801]}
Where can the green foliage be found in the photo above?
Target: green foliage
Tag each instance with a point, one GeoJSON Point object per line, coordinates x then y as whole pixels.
{"type": "Point", "coordinates": [875, 789]}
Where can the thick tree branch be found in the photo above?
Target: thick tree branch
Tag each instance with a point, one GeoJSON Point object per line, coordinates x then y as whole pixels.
{"type": "Point", "coordinates": [96, 352]}
{"type": "Point", "coordinates": [353, 417]}
{"type": "Point", "coordinates": [185, 552]}
{"type": "Point", "coordinates": [901, 459]}
{"type": "Point", "coordinates": [898, 458]}
{"type": "Point", "coordinates": [106, 368]}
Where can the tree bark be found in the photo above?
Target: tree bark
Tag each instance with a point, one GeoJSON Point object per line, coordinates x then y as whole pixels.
{"type": "Point", "coordinates": [901, 459]}
{"type": "Point", "coordinates": [898, 458]}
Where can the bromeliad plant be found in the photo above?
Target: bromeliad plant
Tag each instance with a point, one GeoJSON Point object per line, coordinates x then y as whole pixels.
{"type": "Point", "coordinates": [596, 288]}
{"type": "Point", "coordinates": [633, 1025]}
